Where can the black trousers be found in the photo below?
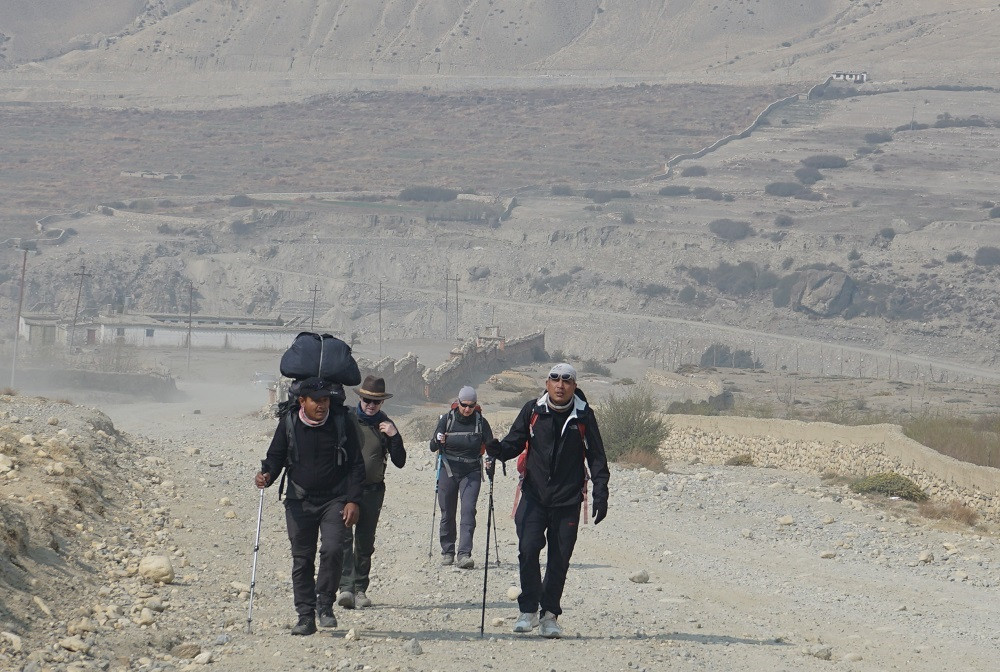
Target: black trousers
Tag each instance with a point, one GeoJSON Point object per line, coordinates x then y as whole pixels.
{"type": "Point", "coordinates": [536, 525]}
{"type": "Point", "coordinates": [359, 544]}
{"type": "Point", "coordinates": [308, 521]}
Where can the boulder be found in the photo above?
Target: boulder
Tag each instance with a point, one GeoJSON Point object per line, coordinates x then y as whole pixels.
{"type": "Point", "coordinates": [156, 568]}
{"type": "Point", "coordinates": [822, 293]}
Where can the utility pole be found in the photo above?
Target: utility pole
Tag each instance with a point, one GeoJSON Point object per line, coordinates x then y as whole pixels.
{"type": "Point", "coordinates": [456, 304]}
{"type": "Point", "coordinates": [17, 322]}
{"type": "Point", "coordinates": [190, 319]}
{"type": "Point", "coordinates": [76, 312]}
{"type": "Point", "coordinates": [380, 320]}
{"type": "Point", "coordinates": [312, 318]}
{"type": "Point", "coordinates": [447, 288]}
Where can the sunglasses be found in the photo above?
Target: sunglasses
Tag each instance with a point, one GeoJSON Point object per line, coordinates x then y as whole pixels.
{"type": "Point", "coordinates": [371, 402]}
{"type": "Point", "coordinates": [465, 405]}
{"type": "Point", "coordinates": [567, 377]}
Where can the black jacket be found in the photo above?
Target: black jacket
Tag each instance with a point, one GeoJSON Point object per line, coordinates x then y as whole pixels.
{"type": "Point", "coordinates": [554, 472]}
{"type": "Point", "coordinates": [317, 469]}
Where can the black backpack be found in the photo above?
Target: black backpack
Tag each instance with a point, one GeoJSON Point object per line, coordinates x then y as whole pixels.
{"type": "Point", "coordinates": [320, 355]}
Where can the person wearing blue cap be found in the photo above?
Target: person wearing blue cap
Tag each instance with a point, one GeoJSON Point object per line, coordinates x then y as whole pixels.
{"type": "Point", "coordinates": [459, 438]}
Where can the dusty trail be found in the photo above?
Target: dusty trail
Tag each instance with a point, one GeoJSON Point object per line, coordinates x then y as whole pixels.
{"type": "Point", "coordinates": [731, 585]}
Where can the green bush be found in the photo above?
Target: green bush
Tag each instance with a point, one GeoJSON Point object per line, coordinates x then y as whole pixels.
{"type": "Point", "coordinates": [687, 294]}
{"type": "Point", "coordinates": [653, 290]}
{"type": "Point", "coordinates": [675, 190]}
{"type": "Point", "coordinates": [987, 256]}
{"type": "Point", "coordinates": [594, 366]}
{"type": "Point", "coordinates": [709, 194]}
{"type": "Point", "coordinates": [889, 484]}
{"type": "Point", "coordinates": [808, 176]}
{"type": "Point", "coordinates": [994, 212]}
{"type": "Point", "coordinates": [783, 188]}
{"type": "Point", "coordinates": [605, 195]}
{"type": "Point", "coordinates": [689, 407]}
{"type": "Point", "coordinates": [427, 194]}
{"type": "Point", "coordinates": [956, 257]}
{"type": "Point", "coordinates": [877, 137]}
{"type": "Point", "coordinates": [784, 221]}
{"type": "Point", "coordinates": [824, 161]}
{"type": "Point", "coordinates": [561, 190]}
{"type": "Point", "coordinates": [628, 217]}
{"type": "Point", "coordinates": [694, 171]}
{"type": "Point", "coordinates": [718, 355]}
{"type": "Point", "coordinates": [729, 229]}
{"type": "Point", "coordinates": [887, 232]}
{"type": "Point", "coordinates": [631, 423]}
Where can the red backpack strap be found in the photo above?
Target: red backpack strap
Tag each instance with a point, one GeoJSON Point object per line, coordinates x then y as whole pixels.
{"type": "Point", "coordinates": [522, 462]}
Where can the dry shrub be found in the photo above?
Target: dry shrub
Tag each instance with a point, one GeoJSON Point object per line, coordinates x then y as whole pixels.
{"type": "Point", "coordinates": [9, 392]}
{"type": "Point", "coordinates": [743, 460]}
{"type": "Point", "coordinates": [953, 510]}
{"type": "Point", "coordinates": [889, 484]}
{"type": "Point", "coordinates": [647, 459]}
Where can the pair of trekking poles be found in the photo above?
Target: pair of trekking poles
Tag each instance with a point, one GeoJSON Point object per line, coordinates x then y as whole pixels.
{"type": "Point", "coordinates": [491, 525]}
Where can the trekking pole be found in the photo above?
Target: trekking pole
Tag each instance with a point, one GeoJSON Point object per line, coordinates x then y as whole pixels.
{"type": "Point", "coordinates": [486, 564]}
{"type": "Point", "coordinates": [437, 483]}
{"type": "Point", "coordinates": [496, 538]}
{"type": "Point", "coordinates": [253, 572]}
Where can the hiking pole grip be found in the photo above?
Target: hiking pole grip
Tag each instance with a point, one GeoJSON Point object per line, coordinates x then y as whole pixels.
{"type": "Point", "coordinates": [253, 571]}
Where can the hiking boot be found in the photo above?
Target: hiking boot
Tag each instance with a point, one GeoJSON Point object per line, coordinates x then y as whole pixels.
{"type": "Point", "coordinates": [548, 627]}
{"type": "Point", "coordinates": [447, 559]}
{"type": "Point", "coordinates": [361, 600]}
{"type": "Point", "coordinates": [326, 618]}
{"type": "Point", "coordinates": [526, 622]}
{"type": "Point", "coordinates": [345, 599]}
{"type": "Point", "coordinates": [466, 562]}
{"type": "Point", "coordinates": [306, 625]}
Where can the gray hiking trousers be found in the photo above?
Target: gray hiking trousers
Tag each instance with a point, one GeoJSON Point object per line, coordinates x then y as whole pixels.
{"type": "Point", "coordinates": [451, 490]}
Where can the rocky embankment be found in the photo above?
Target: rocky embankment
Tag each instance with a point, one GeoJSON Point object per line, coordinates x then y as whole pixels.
{"type": "Point", "coordinates": [838, 451]}
{"type": "Point", "coordinates": [86, 550]}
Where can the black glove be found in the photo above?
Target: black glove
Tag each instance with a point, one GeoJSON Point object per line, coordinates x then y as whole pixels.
{"type": "Point", "coordinates": [600, 511]}
{"type": "Point", "coordinates": [493, 448]}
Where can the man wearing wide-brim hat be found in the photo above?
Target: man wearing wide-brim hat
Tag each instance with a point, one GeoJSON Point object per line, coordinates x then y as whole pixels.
{"type": "Point", "coordinates": [379, 440]}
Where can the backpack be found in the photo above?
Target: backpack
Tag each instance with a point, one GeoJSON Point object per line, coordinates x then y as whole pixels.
{"type": "Point", "coordinates": [478, 430]}
{"type": "Point", "coordinates": [320, 355]}
{"type": "Point", "coordinates": [522, 463]}
{"type": "Point", "coordinates": [287, 410]}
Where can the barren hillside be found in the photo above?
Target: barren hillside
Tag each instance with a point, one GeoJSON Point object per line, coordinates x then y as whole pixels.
{"type": "Point", "coordinates": [209, 52]}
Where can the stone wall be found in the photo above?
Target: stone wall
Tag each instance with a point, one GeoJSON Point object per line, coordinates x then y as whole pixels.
{"type": "Point", "coordinates": [823, 447]}
{"type": "Point", "coordinates": [474, 362]}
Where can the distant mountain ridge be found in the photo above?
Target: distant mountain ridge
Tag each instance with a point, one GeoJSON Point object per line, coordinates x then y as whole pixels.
{"type": "Point", "coordinates": [695, 40]}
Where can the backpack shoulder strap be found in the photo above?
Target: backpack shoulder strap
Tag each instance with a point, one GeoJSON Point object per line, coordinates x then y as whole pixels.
{"type": "Point", "coordinates": [291, 453]}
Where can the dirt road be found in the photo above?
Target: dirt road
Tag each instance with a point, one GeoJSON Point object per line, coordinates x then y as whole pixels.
{"type": "Point", "coordinates": [748, 569]}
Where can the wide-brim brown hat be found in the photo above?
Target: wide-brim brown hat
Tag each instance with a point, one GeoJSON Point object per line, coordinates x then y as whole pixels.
{"type": "Point", "coordinates": [372, 388]}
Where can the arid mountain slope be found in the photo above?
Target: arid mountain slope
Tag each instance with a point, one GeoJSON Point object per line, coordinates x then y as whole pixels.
{"type": "Point", "coordinates": [596, 41]}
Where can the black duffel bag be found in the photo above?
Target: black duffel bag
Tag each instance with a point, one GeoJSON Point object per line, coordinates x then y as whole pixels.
{"type": "Point", "coordinates": [320, 355]}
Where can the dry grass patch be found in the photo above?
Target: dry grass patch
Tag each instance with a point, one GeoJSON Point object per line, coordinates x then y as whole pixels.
{"type": "Point", "coordinates": [953, 510]}
{"type": "Point", "coordinates": [743, 460]}
{"type": "Point", "coordinates": [645, 459]}
{"type": "Point", "coordinates": [975, 441]}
